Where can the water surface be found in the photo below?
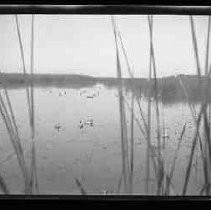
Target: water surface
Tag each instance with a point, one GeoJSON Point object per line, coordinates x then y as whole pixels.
{"type": "Point", "coordinates": [91, 154]}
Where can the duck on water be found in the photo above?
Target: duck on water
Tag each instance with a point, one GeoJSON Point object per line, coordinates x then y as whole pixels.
{"type": "Point", "coordinates": [58, 127]}
{"type": "Point", "coordinates": [87, 123]}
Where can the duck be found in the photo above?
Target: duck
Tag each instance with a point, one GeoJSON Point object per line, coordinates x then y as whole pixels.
{"type": "Point", "coordinates": [165, 135]}
{"type": "Point", "coordinates": [105, 192]}
{"type": "Point", "coordinates": [89, 122]}
{"type": "Point", "coordinates": [58, 127]}
{"type": "Point", "coordinates": [90, 96]}
{"type": "Point", "coordinates": [81, 125]}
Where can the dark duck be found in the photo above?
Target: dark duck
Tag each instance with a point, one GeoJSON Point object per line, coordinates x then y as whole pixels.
{"type": "Point", "coordinates": [58, 127]}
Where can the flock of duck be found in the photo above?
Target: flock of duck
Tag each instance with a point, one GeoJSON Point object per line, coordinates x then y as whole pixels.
{"type": "Point", "coordinates": [87, 123]}
{"type": "Point", "coordinates": [83, 123]}
{"type": "Point", "coordinates": [90, 95]}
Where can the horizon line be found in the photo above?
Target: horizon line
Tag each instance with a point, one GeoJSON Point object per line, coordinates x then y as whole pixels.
{"type": "Point", "coordinates": [85, 75]}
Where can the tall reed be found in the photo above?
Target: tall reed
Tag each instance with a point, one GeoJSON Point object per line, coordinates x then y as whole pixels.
{"type": "Point", "coordinates": [3, 185]}
{"type": "Point", "coordinates": [80, 186]}
{"type": "Point", "coordinates": [149, 107]}
{"type": "Point", "coordinates": [202, 113]}
{"type": "Point", "coordinates": [23, 63]}
{"type": "Point", "coordinates": [131, 143]}
{"type": "Point", "coordinates": [145, 131]}
{"type": "Point", "coordinates": [33, 168]}
{"type": "Point", "coordinates": [32, 180]}
{"type": "Point", "coordinates": [171, 173]}
{"type": "Point", "coordinates": [124, 138]}
{"type": "Point", "coordinates": [207, 114]}
{"type": "Point", "coordinates": [14, 140]}
{"type": "Point", "coordinates": [160, 174]}
{"type": "Point", "coordinates": [131, 74]}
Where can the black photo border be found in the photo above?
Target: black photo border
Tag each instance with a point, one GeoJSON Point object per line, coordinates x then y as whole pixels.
{"type": "Point", "coordinates": [171, 7]}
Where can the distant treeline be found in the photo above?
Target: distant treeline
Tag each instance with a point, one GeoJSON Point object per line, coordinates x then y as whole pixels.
{"type": "Point", "coordinates": [173, 89]}
{"type": "Point", "coordinates": [169, 89]}
{"type": "Point", "coordinates": [15, 80]}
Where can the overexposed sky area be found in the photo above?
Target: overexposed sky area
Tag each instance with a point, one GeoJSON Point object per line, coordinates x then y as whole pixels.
{"type": "Point", "coordinates": [84, 44]}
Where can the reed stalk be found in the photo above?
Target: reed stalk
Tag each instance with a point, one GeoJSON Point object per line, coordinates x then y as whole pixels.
{"type": "Point", "coordinates": [15, 141]}
{"type": "Point", "coordinates": [204, 161]}
{"type": "Point", "coordinates": [194, 116]}
{"type": "Point", "coordinates": [143, 132]}
{"type": "Point", "coordinates": [203, 111]}
{"type": "Point", "coordinates": [29, 95]}
{"type": "Point", "coordinates": [200, 115]}
{"type": "Point", "coordinates": [80, 186]}
{"type": "Point", "coordinates": [34, 178]}
{"type": "Point", "coordinates": [164, 131]}
{"type": "Point", "coordinates": [191, 106]}
{"type": "Point", "coordinates": [3, 185]}
{"type": "Point", "coordinates": [171, 173]}
{"type": "Point", "coordinates": [130, 71]}
{"type": "Point", "coordinates": [160, 159]}
{"type": "Point", "coordinates": [207, 46]}
{"type": "Point", "coordinates": [23, 62]}
{"type": "Point", "coordinates": [119, 183]}
{"type": "Point", "coordinates": [188, 169]}
{"type": "Point", "coordinates": [132, 144]}
{"type": "Point", "coordinates": [148, 129]}
{"type": "Point", "coordinates": [206, 118]}
{"type": "Point", "coordinates": [11, 112]}
{"type": "Point", "coordinates": [124, 140]}
{"type": "Point", "coordinates": [32, 72]}
{"type": "Point", "coordinates": [195, 46]}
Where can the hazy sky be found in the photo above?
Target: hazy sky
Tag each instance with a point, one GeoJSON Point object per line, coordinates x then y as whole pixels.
{"type": "Point", "coordinates": [84, 44]}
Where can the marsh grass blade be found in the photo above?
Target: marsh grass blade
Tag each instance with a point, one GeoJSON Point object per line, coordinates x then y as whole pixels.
{"type": "Point", "coordinates": [170, 175]}
{"type": "Point", "coordinates": [160, 175]}
{"type": "Point", "coordinates": [3, 186]}
{"type": "Point", "coordinates": [80, 186]}
{"type": "Point", "coordinates": [34, 178]}
{"type": "Point", "coordinates": [15, 142]}
{"type": "Point", "coordinates": [119, 183]}
{"type": "Point", "coordinates": [195, 46]}
{"type": "Point", "coordinates": [202, 113]}
{"type": "Point", "coordinates": [11, 112]}
{"type": "Point", "coordinates": [149, 107]}
{"type": "Point", "coordinates": [207, 46]}
{"type": "Point", "coordinates": [124, 139]}
{"type": "Point", "coordinates": [146, 131]}
{"type": "Point", "coordinates": [206, 116]}
{"type": "Point", "coordinates": [23, 62]}
{"type": "Point", "coordinates": [132, 144]}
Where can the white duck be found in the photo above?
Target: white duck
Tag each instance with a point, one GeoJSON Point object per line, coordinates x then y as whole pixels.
{"type": "Point", "coordinates": [89, 122]}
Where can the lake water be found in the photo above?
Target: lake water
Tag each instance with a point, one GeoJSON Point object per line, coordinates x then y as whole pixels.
{"type": "Point", "coordinates": [91, 154]}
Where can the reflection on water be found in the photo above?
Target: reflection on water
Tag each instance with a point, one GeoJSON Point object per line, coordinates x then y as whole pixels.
{"type": "Point", "coordinates": [78, 137]}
